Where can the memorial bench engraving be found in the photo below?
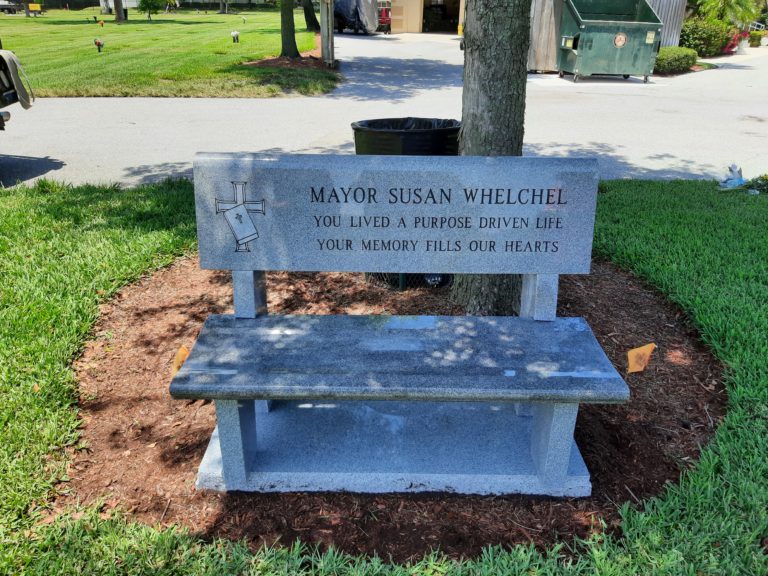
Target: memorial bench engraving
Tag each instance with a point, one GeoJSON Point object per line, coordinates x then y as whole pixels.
{"type": "Point", "coordinates": [381, 403]}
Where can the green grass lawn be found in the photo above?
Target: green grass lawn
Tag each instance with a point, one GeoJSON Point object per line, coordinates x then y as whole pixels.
{"type": "Point", "coordinates": [65, 249]}
{"type": "Point", "coordinates": [181, 54]}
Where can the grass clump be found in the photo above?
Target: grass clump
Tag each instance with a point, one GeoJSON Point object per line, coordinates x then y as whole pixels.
{"type": "Point", "coordinates": [674, 60]}
{"type": "Point", "coordinates": [185, 53]}
{"type": "Point", "coordinates": [62, 251]}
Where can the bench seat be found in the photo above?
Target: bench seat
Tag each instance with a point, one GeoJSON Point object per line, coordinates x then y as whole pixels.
{"type": "Point", "coordinates": [366, 403]}
{"type": "Point", "coordinates": [449, 358]}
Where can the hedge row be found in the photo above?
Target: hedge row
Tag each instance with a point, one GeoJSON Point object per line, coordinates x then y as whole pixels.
{"type": "Point", "coordinates": [674, 60]}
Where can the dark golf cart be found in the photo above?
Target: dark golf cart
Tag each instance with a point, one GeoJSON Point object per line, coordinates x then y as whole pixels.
{"type": "Point", "coordinates": [12, 89]}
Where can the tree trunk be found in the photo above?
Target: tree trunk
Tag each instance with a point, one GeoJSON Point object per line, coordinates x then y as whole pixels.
{"type": "Point", "coordinates": [288, 30]}
{"type": "Point", "coordinates": [119, 16]}
{"type": "Point", "coordinates": [488, 294]}
{"type": "Point", "coordinates": [309, 16]}
{"type": "Point", "coordinates": [496, 39]}
{"type": "Point", "coordinates": [222, 7]}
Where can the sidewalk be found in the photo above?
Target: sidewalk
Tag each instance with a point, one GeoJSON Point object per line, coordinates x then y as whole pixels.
{"type": "Point", "coordinates": [691, 126]}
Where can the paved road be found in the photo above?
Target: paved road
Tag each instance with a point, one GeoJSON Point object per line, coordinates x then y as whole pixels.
{"type": "Point", "coordinates": [691, 126]}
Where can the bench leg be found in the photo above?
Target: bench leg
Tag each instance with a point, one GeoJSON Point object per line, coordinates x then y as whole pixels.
{"type": "Point", "coordinates": [249, 293]}
{"type": "Point", "coordinates": [236, 420]}
{"type": "Point", "coordinates": [538, 296]}
{"type": "Point", "coordinates": [249, 289]}
{"type": "Point", "coordinates": [551, 441]}
{"type": "Point", "coordinates": [263, 406]}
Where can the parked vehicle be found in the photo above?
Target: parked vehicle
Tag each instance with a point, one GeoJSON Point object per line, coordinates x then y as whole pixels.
{"type": "Point", "coordinates": [12, 89]}
{"type": "Point", "coordinates": [7, 7]}
{"type": "Point", "coordinates": [355, 15]}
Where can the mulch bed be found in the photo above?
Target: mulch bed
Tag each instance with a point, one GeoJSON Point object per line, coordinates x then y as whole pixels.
{"type": "Point", "coordinates": [143, 448]}
{"type": "Point", "coordinates": [309, 59]}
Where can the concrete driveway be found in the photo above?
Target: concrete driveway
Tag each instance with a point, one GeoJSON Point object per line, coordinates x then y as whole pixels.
{"type": "Point", "coordinates": [690, 126]}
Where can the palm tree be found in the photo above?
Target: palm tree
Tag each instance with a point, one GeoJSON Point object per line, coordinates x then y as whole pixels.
{"type": "Point", "coordinates": [740, 12]}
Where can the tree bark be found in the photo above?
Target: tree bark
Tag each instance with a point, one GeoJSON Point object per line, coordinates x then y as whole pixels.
{"type": "Point", "coordinates": [119, 16]}
{"type": "Point", "coordinates": [309, 16]}
{"type": "Point", "coordinates": [496, 39]}
{"type": "Point", "coordinates": [288, 30]}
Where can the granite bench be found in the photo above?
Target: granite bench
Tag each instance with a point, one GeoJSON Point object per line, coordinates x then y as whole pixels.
{"type": "Point", "coordinates": [396, 403]}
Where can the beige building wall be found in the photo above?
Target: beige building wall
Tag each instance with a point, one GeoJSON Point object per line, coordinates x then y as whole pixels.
{"type": "Point", "coordinates": [407, 15]}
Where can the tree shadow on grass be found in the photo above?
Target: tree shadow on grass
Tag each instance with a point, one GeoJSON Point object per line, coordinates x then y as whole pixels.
{"type": "Point", "coordinates": [306, 81]}
{"type": "Point", "coordinates": [167, 206]}
{"type": "Point", "coordinates": [153, 173]}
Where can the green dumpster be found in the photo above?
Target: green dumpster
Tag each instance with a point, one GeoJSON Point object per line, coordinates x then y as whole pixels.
{"type": "Point", "coordinates": [620, 37]}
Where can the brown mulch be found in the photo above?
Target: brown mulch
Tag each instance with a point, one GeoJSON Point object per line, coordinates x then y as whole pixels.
{"type": "Point", "coordinates": [143, 448]}
{"type": "Point", "coordinates": [309, 59]}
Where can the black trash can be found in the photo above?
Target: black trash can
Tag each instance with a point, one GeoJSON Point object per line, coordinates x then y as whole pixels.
{"type": "Point", "coordinates": [408, 137]}
{"type": "Point", "coordinates": [125, 13]}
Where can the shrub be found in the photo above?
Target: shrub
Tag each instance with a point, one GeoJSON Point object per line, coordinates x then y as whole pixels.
{"type": "Point", "coordinates": [754, 38]}
{"type": "Point", "coordinates": [760, 184]}
{"type": "Point", "coordinates": [674, 60]}
{"type": "Point", "coordinates": [706, 37]}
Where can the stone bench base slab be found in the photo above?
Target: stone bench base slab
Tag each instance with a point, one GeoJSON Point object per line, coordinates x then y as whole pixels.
{"type": "Point", "coordinates": [388, 446]}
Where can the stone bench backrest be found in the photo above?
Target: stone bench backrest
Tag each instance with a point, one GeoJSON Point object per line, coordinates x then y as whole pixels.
{"type": "Point", "coordinates": [345, 213]}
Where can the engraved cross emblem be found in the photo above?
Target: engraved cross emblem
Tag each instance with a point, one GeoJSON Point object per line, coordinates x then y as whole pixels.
{"type": "Point", "coordinates": [236, 214]}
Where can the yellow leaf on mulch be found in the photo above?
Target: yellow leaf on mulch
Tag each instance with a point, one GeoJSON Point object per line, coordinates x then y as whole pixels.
{"type": "Point", "coordinates": [638, 358]}
{"type": "Point", "coordinates": [178, 360]}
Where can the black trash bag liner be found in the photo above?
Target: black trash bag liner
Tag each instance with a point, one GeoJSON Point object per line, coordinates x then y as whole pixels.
{"type": "Point", "coordinates": [411, 137]}
{"type": "Point", "coordinates": [357, 15]}
{"type": "Point", "coordinates": [406, 124]}
{"type": "Point", "coordinates": [407, 136]}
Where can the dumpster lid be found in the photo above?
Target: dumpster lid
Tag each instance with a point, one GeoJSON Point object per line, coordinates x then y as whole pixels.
{"type": "Point", "coordinates": [628, 11]}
